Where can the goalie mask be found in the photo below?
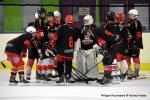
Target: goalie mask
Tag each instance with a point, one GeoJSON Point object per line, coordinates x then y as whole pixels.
{"type": "Point", "coordinates": [88, 20]}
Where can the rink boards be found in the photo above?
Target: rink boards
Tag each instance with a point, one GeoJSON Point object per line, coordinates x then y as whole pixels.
{"type": "Point", "coordinates": [145, 53]}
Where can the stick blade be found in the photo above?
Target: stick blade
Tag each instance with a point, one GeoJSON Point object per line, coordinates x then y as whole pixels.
{"type": "Point", "coordinates": [3, 65]}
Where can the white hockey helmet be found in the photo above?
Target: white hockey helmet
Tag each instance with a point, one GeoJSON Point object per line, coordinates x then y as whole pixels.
{"type": "Point", "coordinates": [57, 14]}
{"type": "Point", "coordinates": [30, 29]}
{"type": "Point", "coordinates": [88, 20]}
{"type": "Point", "coordinates": [133, 12]}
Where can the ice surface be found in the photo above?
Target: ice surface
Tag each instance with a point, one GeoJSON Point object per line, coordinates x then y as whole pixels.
{"type": "Point", "coordinates": [130, 90]}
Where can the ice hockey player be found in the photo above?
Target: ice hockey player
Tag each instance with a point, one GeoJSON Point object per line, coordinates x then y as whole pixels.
{"type": "Point", "coordinates": [136, 42]}
{"type": "Point", "coordinates": [57, 19]}
{"type": "Point", "coordinates": [44, 60]}
{"type": "Point", "coordinates": [39, 24]}
{"type": "Point", "coordinates": [67, 35]}
{"type": "Point", "coordinates": [86, 54]}
{"type": "Point", "coordinates": [123, 52]}
{"type": "Point", "coordinates": [52, 37]}
{"type": "Point", "coordinates": [50, 22]}
{"type": "Point", "coordinates": [32, 55]}
{"type": "Point", "coordinates": [15, 51]}
{"type": "Point", "coordinates": [110, 33]}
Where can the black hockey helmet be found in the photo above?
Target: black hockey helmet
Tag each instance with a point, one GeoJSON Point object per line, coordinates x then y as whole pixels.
{"type": "Point", "coordinates": [111, 16]}
{"type": "Point", "coordinates": [50, 14]}
{"type": "Point", "coordinates": [41, 11]}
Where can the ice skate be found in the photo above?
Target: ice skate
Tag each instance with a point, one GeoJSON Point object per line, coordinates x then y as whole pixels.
{"type": "Point", "coordinates": [24, 82]}
{"type": "Point", "coordinates": [28, 77]}
{"type": "Point", "coordinates": [60, 80]}
{"type": "Point", "coordinates": [105, 81]}
{"type": "Point", "coordinates": [13, 82]}
{"type": "Point", "coordinates": [44, 78]}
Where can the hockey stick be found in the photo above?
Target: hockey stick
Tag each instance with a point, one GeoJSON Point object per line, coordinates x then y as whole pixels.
{"type": "Point", "coordinates": [2, 63]}
{"type": "Point", "coordinates": [51, 52]}
{"type": "Point", "coordinates": [76, 76]}
{"type": "Point", "coordinates": [134, 77]}
{"type": "Point", "coordinates": [80, 76]}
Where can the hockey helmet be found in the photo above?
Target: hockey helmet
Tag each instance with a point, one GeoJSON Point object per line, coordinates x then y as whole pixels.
{"type": "Point", "coordinates": [41, 13]}
{"type": "Point", "coordinates": [30, 29]}
{"type": "Point", "coordinates": [88, 20]}
{"type": "Point", "coordinates": [50, 14]}
{"type": "Point", "coordinates": [41, 10]}
{"type": "Point", "coordinates": [69, 19]}
{"type": "Point", "coordinates": [120, 16]}
{"type": "Point", "coordinates": [133, 13]}
{"type": "Point", "coordinates": [111, 16]}
{"type": "Point", "coordinates": [57, 14]}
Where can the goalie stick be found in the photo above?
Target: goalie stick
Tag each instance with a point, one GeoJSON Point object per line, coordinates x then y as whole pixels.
{"type": "Point", "coordinates": [91, 68]}
{"type": "Point", "coordinates": [82, 76]}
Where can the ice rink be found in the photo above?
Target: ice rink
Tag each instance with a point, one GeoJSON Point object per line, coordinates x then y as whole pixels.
{"type": "Point", "coordinates": [130, 90]}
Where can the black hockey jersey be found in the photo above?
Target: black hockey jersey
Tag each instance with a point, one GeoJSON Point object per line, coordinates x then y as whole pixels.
{"type": "Point", "coordinates": [105, 34]}
{"type": "Point", "coordinates": [135, 29]}
{"type": "Point", "coordinates": [41, 48]}
{"type": "Point", "coordinates": [17, 45]}
{"type": "Point", "coordinates": [125, 34]}
{"type": "Point", "coordinates": [87, 37]}
{"type": "Point", "coordinates": [65, 41]}
{"type": "Point", "coordinates": [40, 25]}
{"type": "Point", "coordinates": [51, 29]}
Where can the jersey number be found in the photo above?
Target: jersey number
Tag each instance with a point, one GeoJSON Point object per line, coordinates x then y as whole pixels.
{"type": "Point", "coordinates": [71, 42]}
